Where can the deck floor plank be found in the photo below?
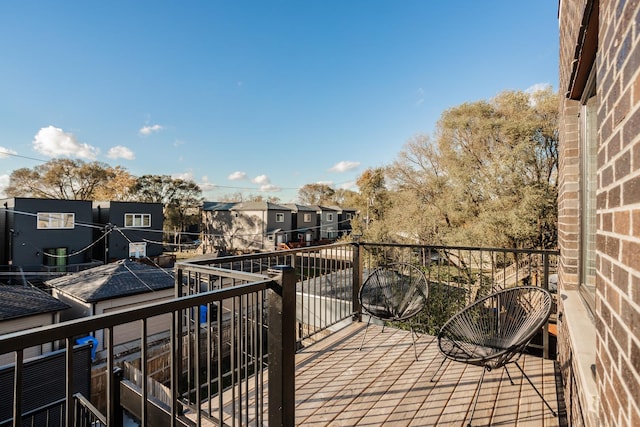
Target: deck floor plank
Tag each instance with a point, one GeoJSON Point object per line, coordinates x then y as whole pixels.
{"type": "Point", "coordinates": [337, 384]}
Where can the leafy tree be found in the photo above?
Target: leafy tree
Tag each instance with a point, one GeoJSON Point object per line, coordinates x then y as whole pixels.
{"type": "Point", "coordinates": [240, 197]}
{"type": "Point", "coordinates": [488, 179]}
{"type": "Point", "coordinates": [68, 179]}
{"type": "Point", "coordinates": [315, 194]}
{"type": "Point", "coordinates": [374, 202]}
{"type": "Point", "coordinates": [345, 198]}
{"type": "Point", "coordinates": [119, 187]}
{"type": "Point", "coordinates": [180, 198]}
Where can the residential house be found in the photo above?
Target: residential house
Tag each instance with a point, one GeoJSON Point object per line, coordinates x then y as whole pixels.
{"type": "Point", "coordinates": [111, 287]}
{"type": "Point", "coordinates": [45, 232]}
{"type": "Point", "coordinates": [24, 307]}
{"type": "Point", "coordinates": [345, 215]}
{"type": "Point", "coordinates": [252, 226]}
{"type": "Point", "coordinates": [305, 223]}
{"type": "Point", "coordinates": [134, 230]}
{"type": "Point", "coordinates": [599, 211]}
{"type": "Point", "coordinates": [328, 222]}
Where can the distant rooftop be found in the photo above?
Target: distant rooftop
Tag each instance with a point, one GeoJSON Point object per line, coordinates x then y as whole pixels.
{"type": "Point", "coordinates": [117, 279]}
{"type": "Point", "coordinates": [21, 301]}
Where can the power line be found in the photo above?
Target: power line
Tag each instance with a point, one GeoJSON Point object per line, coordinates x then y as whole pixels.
{"type": "Point", "coordinates": [7, 153]}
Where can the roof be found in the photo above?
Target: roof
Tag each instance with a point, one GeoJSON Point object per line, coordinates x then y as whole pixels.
{"type": "Point", "coordinates": [260, 206]}
{"type": "Point", "coordinates": [218, 206]}
{"type": "Point", "coordinates": [118, 279]}
{"type": "Point", "coordinates": [21, 301]}
{"type": "Point", "coordinates": [341, 209]}
{"type": "Point", "coordinates": [299, 208]}
{"type": "Point", "coordinates": [319, 208]}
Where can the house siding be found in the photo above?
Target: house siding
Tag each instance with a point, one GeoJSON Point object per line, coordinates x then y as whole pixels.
{"type": "Point", "coordinates": [118, 243]}
{"type": "Point", "coordinates": [25, 245]}
{"type": "Point", "coordinates": [613, 400]}
{"type": "Point", "coordinates": [24, 323]}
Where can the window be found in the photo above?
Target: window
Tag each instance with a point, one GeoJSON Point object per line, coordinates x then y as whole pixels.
{"type": "Point", "coordinates": [329, 217]}
{"type": "Point", "coordinates": [137, 220]}
{"type": "Point", "coordinates": [348, 216]}
{"type": "Point", "coordinates": [55, 220]}
{"type": "Point", "coordinates": [137, 249]}
{"type": "Point", "coordinates": [306, 217]}
{"type": "Point", "coordinates": [279, 217]}
{"type": "Point", "coordinates": [588, 176]}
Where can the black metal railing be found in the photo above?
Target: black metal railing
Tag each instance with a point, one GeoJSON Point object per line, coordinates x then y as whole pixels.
{"type": "Point", "coordinates": [236, 323]}
{"type": "Point", "coordinates": [185, 380]}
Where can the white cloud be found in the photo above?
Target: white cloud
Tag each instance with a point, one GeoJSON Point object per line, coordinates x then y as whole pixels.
{"type": "Point", "coordinates": [270, 188]}
{"type": "Point", "coordinates": [120, 152]}
{"type": "Point", "coordinates": [261, 180]}
{"type": "Point", "coordinates": [532, 90]}
{"type": "Point", "coordinates": [265, 183]}
{"type": "Point", "coordinates": [537, 87]}
{"type": "Point", "coordinates": [205, 185]}
{"type": "Point", "coordinates": [329, 183]}
{"type": "Point", "coordinates": [148, 130]}
{"type": "Point", "coordinates": [186, 176]}
{"type": "Point", "coordinates": [237, 176]}
{"type": "Point", "coordinates": [53, 142]}
{"type": "Point", "coordinates": [4, 183]}
{"type": "Point", "coordinates": [6, 152]}
{"type": "Point", "coordinates": [344, 166]}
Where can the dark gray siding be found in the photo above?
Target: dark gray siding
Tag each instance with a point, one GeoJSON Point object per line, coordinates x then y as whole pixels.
{"type": "Point", "coordinates": [26, 244]}
{"type": "Point", "coordinates": [118, 240]}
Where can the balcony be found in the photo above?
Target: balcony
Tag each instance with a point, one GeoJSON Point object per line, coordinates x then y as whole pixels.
{"type": "Point", "coordinates": [274, 339]}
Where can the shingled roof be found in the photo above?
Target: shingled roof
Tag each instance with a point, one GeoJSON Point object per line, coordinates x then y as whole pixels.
{"type": "Point", "coordinates": [21, 301]}
{"type": "Point", "coordinates": [117, 279]}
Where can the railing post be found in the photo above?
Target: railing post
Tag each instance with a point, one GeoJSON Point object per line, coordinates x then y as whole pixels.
{"type": "Point", "coordinates": [282, 346]}
{"type": "Point", "coordinates": [545, 285]}
{"type": "Point", "coordinates": [356, 283]}
{"type": "Point", "coordinates": [118, 375]}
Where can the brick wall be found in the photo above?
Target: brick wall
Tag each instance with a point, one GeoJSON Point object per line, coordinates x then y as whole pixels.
{"type": "Point", "coordinates": [569, 206]}
{"type": "Point", "coordinates": [568, 243]}
{"type": "Point", "coordinates": [617, 305]}
{"type": "Point", "coordinates": [618, 210]}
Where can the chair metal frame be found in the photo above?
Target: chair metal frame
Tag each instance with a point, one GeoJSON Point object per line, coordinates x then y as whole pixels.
{"type": "Point", "coordinates": [394, 292]}
{"type": "Point", "coordinates": [493, 332]}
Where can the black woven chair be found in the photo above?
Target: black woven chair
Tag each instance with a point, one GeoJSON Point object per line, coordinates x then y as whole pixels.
{"type": "Point", "coordinates": [392, 293]}
{"type": "Point", "coordinates": [493, 331]}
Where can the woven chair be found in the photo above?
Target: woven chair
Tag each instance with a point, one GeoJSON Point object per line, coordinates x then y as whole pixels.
{"type": "Point", "coordinates": [493, 331]}
{"type": "Point", "coordinates": [393, 293]}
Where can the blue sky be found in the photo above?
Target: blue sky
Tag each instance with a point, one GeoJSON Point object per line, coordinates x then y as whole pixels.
{"type": "Point", "coordinates": [258, 97]}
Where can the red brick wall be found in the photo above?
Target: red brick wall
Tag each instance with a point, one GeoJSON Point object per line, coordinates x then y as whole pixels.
{"type": "Point", "coordinates": [570, 16]}
{"type": "Point", "coordinates": [618, 201]}
{"type": "Point", "coordinates": [617, 317]}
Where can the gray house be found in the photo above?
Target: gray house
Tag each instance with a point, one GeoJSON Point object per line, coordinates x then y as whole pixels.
{"type": "Point", "coordinates": [24, 307]}
{"type": "Point", "coordinates": [305, 223]}
{"type": "Point", "coordinates": [328, 222]}
{"type": "Point", "coordinates": [134, 230]}
{"type": "Point", "coordinates": [45, 232]}
{"type": "Point", "coordinates": [249, 226]}
{"type": "Point", "coordinates": [345, 215]}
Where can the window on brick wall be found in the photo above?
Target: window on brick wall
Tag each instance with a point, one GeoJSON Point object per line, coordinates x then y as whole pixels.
{"type": "Point", "coordinates": [588, 175]}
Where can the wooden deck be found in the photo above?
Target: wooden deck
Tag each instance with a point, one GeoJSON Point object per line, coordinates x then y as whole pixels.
{"type": "Point", "coordinates": [339, 385]}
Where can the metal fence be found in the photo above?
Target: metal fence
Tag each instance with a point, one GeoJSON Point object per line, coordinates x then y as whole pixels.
{"type": "Point", "coordinates": [234, 317]}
